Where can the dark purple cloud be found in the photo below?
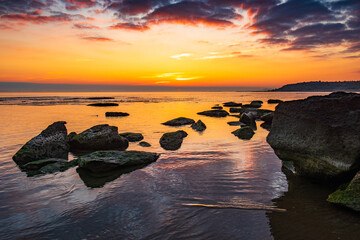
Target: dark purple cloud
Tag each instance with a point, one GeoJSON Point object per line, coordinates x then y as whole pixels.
{"type": "Point", "coordinates": [291, 24]}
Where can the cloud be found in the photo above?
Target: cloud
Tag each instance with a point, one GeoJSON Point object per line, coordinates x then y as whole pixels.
{"type": "Point", "coordinates": [85, 26]}
{"type": "Point", "coordinates": [130, 26]}
{"type": "Point", "coordinates": [37, 19]}
{"type": "Point", "coordinates": [74, 5]}
{"type": "Point", "coordinates": [181, 55]}
{"type": "Point", "coordinates": [225, 55]}
{"type": "Point", "coordinates": [97, 39]}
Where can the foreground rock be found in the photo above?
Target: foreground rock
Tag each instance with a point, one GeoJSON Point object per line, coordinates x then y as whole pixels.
{"type": "Point", "coordinates": [50, 143]}
{"type": "Point", "coordinates": [46, 166]}
{"type": "Point", "coordinates": [116, 114]}
{"type": "Point", "coordinates": [36, 165]}
{"type": "Point", "coordinates": [198, 126]}
{"type": "Point", "coordinates": [103, 161]}
{"type": "Point", "coordinates": [244, 133]}
{"type": "Point", "coordinates": [320, 135]}
{"type": "Point", "coordinates": [179, 122]}
{"type": "Point", "coordinates": [132, 137]}
{"type": "Point", "coordinates": [103, 104]}
{"type": "Point", "coordinates": [172, 140]}
{"type": "Point", "coordinates": [214, 113]}
{"type": "Point", "coordinates": [232, 104]}
{"type": "Point", "coordinates": [349, 196]}
{"type": "Point", "coordinates": [100, 137]}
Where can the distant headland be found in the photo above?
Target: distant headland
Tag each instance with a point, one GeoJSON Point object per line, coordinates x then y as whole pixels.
{"type": "Point", "coordinates": [319, 86]}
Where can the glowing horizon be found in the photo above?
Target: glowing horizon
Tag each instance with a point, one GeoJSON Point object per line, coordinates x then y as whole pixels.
{"type": "Point", "coordinates": [179, 43]}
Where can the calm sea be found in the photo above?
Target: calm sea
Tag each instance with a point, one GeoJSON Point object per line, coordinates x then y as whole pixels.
{"type": "Point", "coordinates": [215, 186]}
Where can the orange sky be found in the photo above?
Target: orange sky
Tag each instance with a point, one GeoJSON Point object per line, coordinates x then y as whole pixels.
{"type": "Point", "coordinates": [168, 53]}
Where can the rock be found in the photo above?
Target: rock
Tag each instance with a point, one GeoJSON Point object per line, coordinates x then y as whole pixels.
{"type": "Point", "coordinates": [36, 165]}
{"type": "Point", "coordinates": [145, 144]}
{"type": "Point", "coordinates": [116, 114]}
{"type": "Point", "coordinates": [321, 134]}
{"type": "Point", "coordinates": [244, 133]}
{"type": "Point", "coordinates": [248, 119]}
{"type": "Point", "coordinates": [267, 117]}
{"type": "Point", "coordinates": [274, 101]}
{"type": "Point", "coordinates": [266, 126]}
{"type": "Point", "coordinates": [172, 140]}
{"type": "Point", "coordinates": [232, 104]}
{"type": "Point", "coordinates": [253, 104]}
{"type": "Point", "coordinates": [257, 113]}
{"type": "Point", "coordinates": [236, 110]}
{"type": "Point", "coordinates": [50, 143]}
{"type": "Point", "coordinates": [100, 137]}
{"type": "Point", "coordinates": [349, 196]}
{"type": "Point", "coordinates": [58, 166]}
{"type": "Point", "coordinates": [102, 161]}
{"type": "Point", "coordinates": [236, 123]}
{"type": "Point", "coordinates": [132, 137]}
{"type": "Point", "coordinates": [180, 121]}
{"type": "Point", "coordinates": [214, 113]}
{"type": "Point", "coordinates": [198, 126]}
{"type": "Point", "coordinates": [103, 104]}
{"type": "Point", "coordinates": [217, 107]}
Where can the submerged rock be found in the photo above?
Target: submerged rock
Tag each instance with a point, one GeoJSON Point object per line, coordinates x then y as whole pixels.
{"type": "Point", "coordinates": [102, 161]}
{"type": "Point", "coordinates": [103, 104]}
{"type": "Point", "coordinates": [180, 121]}
{"type": "Point", "coordinates": [214, 113]}
{"type": "Point", "coordinates": [172, 140]}
{"type": "Point", "coordinates": [50, 143]}
{"type": "Point", "coordinates": [58, 166]}
{"type": "Point", "coordinates": [274, 101]}
{"type": "Point", "coordinates": [348, 196]}
{"type": "Point", "coordinates": [320, 134]}
{"type": "Point", "coordinates": [198, 126]}
{"type": "Point", "coordinates": [36, 165]}
{"type": "Point", "coordinates": [100, 137]}
{"type": "Point", "coordinates": [232, 104]}
{"type": "Point", "coordinates": [145, 144]}
{"type": "Point", "coordinates": [244, 133]}
{"type": "Point", "coordinates": [116, 114]}
{"type": "Point", "coordinates": [132, 137]}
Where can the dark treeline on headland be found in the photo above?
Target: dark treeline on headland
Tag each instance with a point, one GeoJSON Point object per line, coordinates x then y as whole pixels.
{"type": "Point", "coordinates": [319, 86]}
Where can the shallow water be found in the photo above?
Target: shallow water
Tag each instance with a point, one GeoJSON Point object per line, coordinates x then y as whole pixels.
{"type": "Point", "coordinates": [215, 186]}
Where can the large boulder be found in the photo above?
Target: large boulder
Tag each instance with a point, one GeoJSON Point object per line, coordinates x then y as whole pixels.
{"type": "Point", "coordinates": [102, 161]}
{"type": "Point", "coordinates": [172, 140]}
{"type": "Point", "coordinates": [349, 196]}
{"type": "Point", "coordinates": [99, 137]}
{"type": "Point", "coordinates": [320, 135]}
{"type": "Point", "coordinates": [50, 143]}
{"type": "Point", "coordinates": [214, 113]}
{"type": "Point", "coordinates": [180, 121]}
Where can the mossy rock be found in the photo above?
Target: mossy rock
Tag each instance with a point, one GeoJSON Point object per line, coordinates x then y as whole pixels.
{"type": "Point", "coordinates": [348, 196]}
{"type": "Point", "coordinates": [132, 137]}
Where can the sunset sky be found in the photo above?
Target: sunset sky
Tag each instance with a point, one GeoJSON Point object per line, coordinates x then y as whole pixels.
{"type": "Point", "coordinates": [179, 43]}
